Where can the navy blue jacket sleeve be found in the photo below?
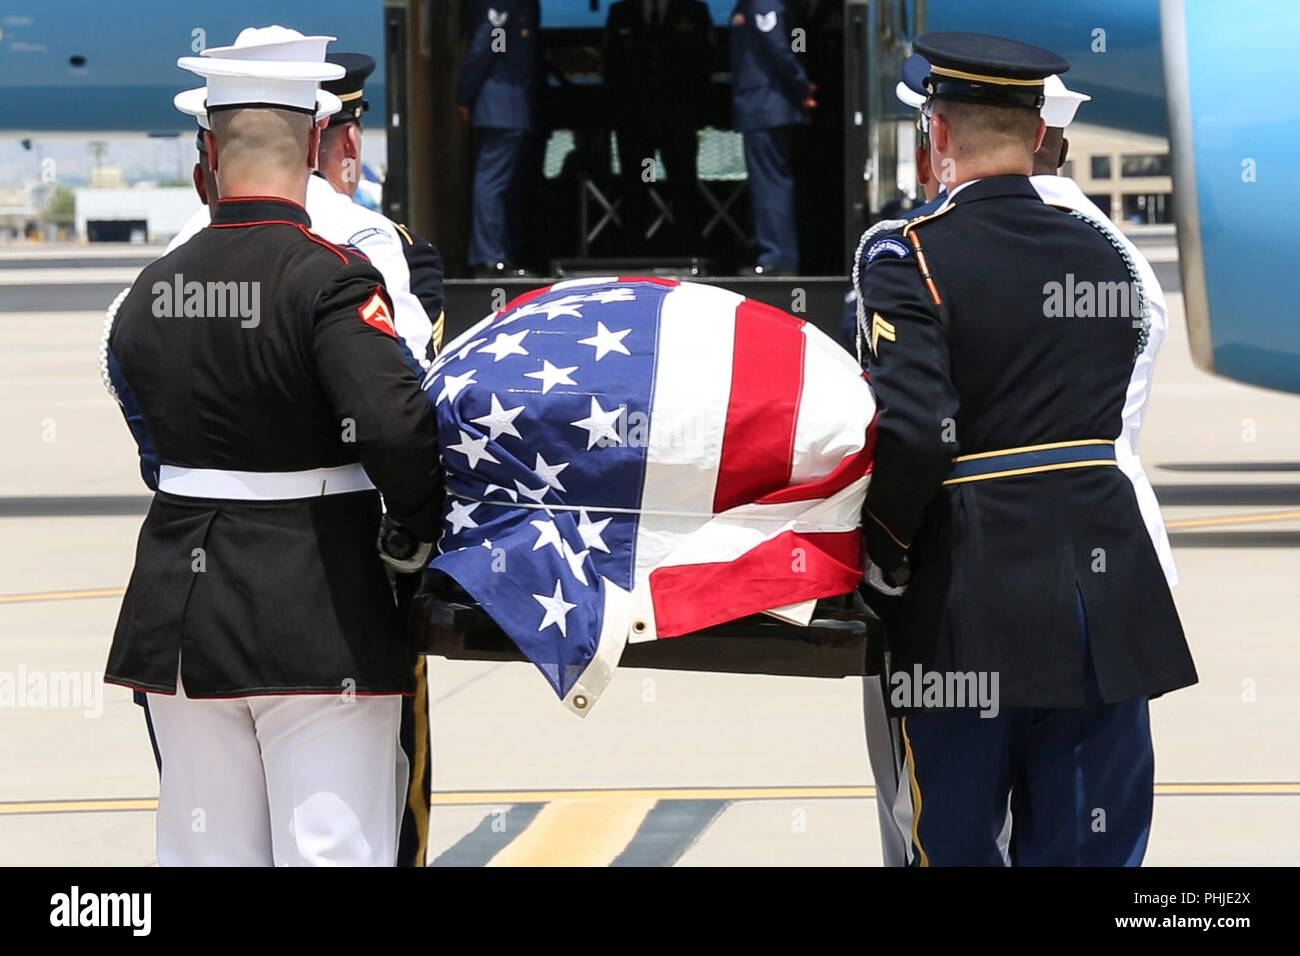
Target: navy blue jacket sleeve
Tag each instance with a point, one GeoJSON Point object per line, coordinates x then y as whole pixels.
{"type": "Point", "coordinates": [908, 365]}
{"type": "Point", "coordinates": [778, 50]}
{"type": "Point", "coordinates": [135, 421]}
{"type": "Point", "coordinates": [478, 55]}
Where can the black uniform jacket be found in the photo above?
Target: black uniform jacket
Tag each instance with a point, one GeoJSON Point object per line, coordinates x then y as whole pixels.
{"type": "Point", "coordinates": [658, 73]}
{"type": "Point", "coordinates": [268, 596]}
{"type": "Point", "coordinates": [995, 564]}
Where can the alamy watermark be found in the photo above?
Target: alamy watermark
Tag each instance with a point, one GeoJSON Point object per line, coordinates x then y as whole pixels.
{"type": "Point", "coordinates": [208, 300]}
{"type": "Point", "coordinates": [69, 690]}
{"type": "Point", "coordinates": [1092, 300]}
{"type": "Point", "coordinates": [947, 689]}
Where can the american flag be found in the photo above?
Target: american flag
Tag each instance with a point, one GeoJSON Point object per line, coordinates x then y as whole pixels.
{"type": "Point", "coordinates": [629, 459]}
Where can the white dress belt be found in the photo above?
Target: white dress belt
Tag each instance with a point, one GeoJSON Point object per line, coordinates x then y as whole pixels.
{"type": "Point", "coordinates": [262, 485]}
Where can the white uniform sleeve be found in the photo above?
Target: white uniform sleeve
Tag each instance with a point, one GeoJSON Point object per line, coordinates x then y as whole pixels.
{"type": "Point", "coordinates": [1063, 191]}
{"type": "Point", "coordinates": [383, 247]}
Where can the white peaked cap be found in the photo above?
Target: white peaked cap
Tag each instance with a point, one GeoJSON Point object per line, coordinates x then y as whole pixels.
{"type": "Point", "coordinates": [195, 103]}
{"type": "Point", "coordinates": [1059, 103]}
{"type": "Point", "coordinates": [266, 66]}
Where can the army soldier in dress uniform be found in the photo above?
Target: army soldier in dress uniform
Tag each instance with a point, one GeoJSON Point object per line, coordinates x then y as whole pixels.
{"type": "Point", "coordinates": [262, 378]}
{"type": "Point", "coordinates": [1034, 622]}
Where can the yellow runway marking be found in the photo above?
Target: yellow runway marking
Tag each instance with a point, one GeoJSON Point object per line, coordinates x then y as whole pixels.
{"type": "Point", "coordinates": [1234, 519]}
{"type": "Point", "coordinates": [61, 595]}
{"type": "Point", "coordinates": [572, 832]}
{"type": "Point", "coordinates": [77, 806]}
{"type": "Point", "coordinates": [637, 798]}
{"type": "Point", "coordinates": [1216, 521]}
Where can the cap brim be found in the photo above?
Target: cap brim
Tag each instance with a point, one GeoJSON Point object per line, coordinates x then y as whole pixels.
{"type": "Point", "coordinates": [262, 69]}
{"type": "Point", "coordinates": [908, 96]}
{"type": "Point", "coordinates": [195, 103]}
{"type": "Point", "coordinates": [1059, 110]}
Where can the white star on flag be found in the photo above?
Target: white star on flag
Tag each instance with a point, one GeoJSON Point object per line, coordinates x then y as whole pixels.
{"type": "Point", "coordinates": [547, 533]}
{"type": "Point", "coordinates": [460, 516]}
{"type": "Point", "coordinates": [600, 424]}
{"type": "Point", "coordinates": [550, 376]}
{"type": "Point", "coordinates": [549, 473]}
{"type": "Point", "coordinates": [533, 494]}
{"type": "Point", "coordinates": [565, 306]}
{"type": "Point", "coordinates": [575, 559]}
{"type": "Point", "coordinates": [469, 347]}
{"type": "Point", "coordinates": [514, 495]}
{"type": "Point", "coordinates": [604, 296]}
{"type": "Point", "coordinates": [605, 341]}
{"type": "Point", "coordinates": [453, 385]}
{"type": "Point", "coordinates": [556, 609]}
{"type": "Point", "coordinates": [506, 344]}
{"type": "Point", "coordinates": [475, 449]}
{"type": "Point", "coordinates": [591, 531]}
{"type": "Point", "coordinates": [499, 421]}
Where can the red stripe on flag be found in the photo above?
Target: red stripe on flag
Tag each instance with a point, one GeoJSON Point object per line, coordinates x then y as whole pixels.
{"type": "Point", "coordinates": [789, 568]}
{"type": "Point", "coordinates": [845, 473]}
{"type": "Point", "coordinates": [766, 380]}
{"type": "Point", "coordinates": [656, 280]}
{"type": "Point", "coordinates": [523, 299]}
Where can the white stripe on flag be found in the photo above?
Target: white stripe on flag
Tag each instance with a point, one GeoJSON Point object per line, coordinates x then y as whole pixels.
{"type": "Point", "coordinates": [835, 409]}
{"type": "Point", "coordinates": [615, 625]}
{"type": "Point", "coordinates": [688, 416]}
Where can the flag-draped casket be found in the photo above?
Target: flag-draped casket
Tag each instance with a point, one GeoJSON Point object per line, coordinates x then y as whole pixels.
{"type": "Point", "coordinates": [636, 459]}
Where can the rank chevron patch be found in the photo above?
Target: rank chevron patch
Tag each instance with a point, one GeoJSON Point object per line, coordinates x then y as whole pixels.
{"type": "Point", "coordinates": [880, 329]}
{"type": "Point", "coordinates": [375, 312]}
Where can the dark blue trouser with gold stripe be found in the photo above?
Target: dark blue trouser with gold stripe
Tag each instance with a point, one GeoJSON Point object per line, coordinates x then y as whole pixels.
{"type": "Point", "coordinates": [1031, 786]}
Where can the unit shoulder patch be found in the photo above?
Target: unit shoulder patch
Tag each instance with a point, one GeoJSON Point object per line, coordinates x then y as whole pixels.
{"type": "Point", "coordinates": [892, 247]}
{"type": "Point", "coordinates": [369, 234]}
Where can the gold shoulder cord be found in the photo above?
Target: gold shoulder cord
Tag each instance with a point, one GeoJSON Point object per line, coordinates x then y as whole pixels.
{"type": "Point", "coordinates": [923, 264]}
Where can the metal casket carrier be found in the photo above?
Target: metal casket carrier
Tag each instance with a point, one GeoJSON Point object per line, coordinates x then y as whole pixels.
{"type": "Point", "coordinates": [651, 473]}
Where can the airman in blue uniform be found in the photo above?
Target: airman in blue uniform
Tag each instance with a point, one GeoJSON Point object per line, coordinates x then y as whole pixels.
{"type": "Point", "coordinates": [500, 82]}
{"type": "Point", "coordinates": [771, 98]}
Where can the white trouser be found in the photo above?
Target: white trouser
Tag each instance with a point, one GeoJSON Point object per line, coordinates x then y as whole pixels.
{"type": "Point", "coordinates": [292, 780]}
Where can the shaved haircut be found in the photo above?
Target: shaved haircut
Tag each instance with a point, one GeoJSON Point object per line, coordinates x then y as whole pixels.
{"type": "Point", "coordinates": [272, 141]}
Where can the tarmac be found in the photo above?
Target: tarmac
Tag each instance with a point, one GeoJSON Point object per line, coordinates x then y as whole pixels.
{"type": "Point", "coordinates": [671, 768]}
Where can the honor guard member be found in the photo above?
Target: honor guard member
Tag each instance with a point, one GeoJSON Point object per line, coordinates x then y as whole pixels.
{"type": "Point", "coordinates": [658, 63]}
{"type": "Point", "coordinates": [413, 277]}
{"type": "Point", "coordinates": [771, 98]}
{"type": "Point", "coordinates": [1034, 622]}
{"type": "Point", "coordinates": [500, 82]}
{"type": "Point", "coordinates": [262, 378]}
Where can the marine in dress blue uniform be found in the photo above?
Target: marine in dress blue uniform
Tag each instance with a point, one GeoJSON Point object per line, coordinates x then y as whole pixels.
{"type": "Point", "coordinates": [770, 96]}
{"type": "Point", "coordinates": [500, 82]}
{"type": "Point", "coordinates": [996, 506]}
